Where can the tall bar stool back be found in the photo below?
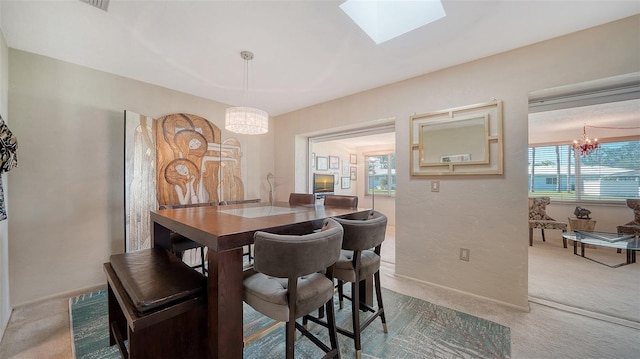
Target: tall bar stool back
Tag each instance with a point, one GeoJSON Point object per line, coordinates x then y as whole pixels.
{"type": "Point", "coordinates": [288, 283]}
{"type": "Point", "coordinates": [359, 259]}
{"type": "Point", "coordinates": [334, 200]}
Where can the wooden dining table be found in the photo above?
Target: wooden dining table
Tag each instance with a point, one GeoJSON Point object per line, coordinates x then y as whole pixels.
{"type": "Point", "coordinates": [225, 230]}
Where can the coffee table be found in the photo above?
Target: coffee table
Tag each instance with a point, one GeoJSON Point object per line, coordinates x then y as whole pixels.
{"type": "Point", "coordinates": [629, 242]}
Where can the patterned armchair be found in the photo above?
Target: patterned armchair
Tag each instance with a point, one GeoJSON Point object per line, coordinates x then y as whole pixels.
{"type": "Point", "coordinates": [632, 227]}
{"type": "Point", "coordinates": [538, 218]}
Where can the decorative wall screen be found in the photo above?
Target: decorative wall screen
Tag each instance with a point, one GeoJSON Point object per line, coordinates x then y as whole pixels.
{"type": "Point", "coordinates": [176, 159]}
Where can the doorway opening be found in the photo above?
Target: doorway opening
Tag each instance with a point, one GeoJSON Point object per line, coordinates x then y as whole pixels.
{"type": "Point", "coordinates": [600, 181]}
{"type": "Point", "coordinates": [362, 163]}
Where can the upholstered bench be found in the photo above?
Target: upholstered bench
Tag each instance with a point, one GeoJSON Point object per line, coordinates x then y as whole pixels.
{"type": "Point", "coordinates": [159, 303]}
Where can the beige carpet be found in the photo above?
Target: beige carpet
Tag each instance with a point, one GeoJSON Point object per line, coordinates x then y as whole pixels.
{"type": "Point", "coordinates": [557, 275]}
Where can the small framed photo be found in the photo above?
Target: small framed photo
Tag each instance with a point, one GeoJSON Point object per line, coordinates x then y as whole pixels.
{"type": "Point", "coordinates": [345, 168]}
{"type": "Point", "coordinates": [353, 171]}
{"type": "Point", "coordinates": [346, 183]}
{"type": "Point", "coordinates": [313, 160]}
{"type": "Point", "coordinates": [336, 178]}
{"type": "Point", "coordinates": [353, 159]}
{"type": "Point", "coordinates": [322, 163]}
{"type": "Point", "coordinates": [334, 162]}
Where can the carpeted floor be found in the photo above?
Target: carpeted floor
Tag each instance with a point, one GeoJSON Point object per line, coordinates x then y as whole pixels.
{"type": "Point", "coordinates": [557, 275]}
{"type": "Point", "coordinates": [417, 329]}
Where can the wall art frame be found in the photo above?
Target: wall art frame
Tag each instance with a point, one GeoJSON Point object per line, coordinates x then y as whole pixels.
{"type": "Point", "coordinates": [345, 183]}
{"type": "Point", "coordinates": [322, 163]}
{"type": "Point", "coordinates": [465, 140]}
{"type": "Point", "coordinates": [334, 162]}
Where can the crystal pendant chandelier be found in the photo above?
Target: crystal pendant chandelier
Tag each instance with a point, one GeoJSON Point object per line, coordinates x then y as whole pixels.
{"type": "Point", "coordinates": [585, 146]}
{"type": "Point", "coordinates": [246, 120]}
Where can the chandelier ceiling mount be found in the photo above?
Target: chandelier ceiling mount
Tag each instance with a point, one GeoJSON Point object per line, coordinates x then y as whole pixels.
{"type": "Point", "coordinates": [246, 120]}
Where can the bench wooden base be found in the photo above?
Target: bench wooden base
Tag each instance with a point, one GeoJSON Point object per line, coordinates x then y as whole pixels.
{"type": "Point", "coordinates": [176, 331]}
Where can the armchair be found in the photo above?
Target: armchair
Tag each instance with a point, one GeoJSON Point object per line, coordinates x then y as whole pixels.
{"type": "Point", "coordinates": [632, 227]}
{"type": "Point", "coordinates": [538, 218]}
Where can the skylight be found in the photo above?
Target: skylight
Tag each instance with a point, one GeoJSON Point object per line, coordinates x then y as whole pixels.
{"type": "Point", "coordinates": [385, 20]}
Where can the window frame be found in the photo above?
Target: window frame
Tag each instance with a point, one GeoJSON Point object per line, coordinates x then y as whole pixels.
{"type": "Point", "coordinates": [391, 173]}
{"type": "Point", "coordinates": [577, 166]}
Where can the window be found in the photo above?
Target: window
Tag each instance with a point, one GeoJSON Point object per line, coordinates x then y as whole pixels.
{"type": "Point", "coordinates": [381, 176]}
{"type": "Point", "coordinates": [611, 173]}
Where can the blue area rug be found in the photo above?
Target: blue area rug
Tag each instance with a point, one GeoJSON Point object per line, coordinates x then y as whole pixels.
{"type": "Point", "coordinates": [417, 329]}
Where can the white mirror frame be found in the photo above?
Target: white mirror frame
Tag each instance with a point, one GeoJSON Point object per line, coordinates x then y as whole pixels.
{"type": "Point", "coordinates": [480, 154]}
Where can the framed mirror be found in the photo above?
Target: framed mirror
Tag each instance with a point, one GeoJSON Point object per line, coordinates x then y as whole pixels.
{"type": "Point", "coordinates": [459, 141]}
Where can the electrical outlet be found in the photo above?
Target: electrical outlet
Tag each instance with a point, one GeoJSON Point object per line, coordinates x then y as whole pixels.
{"type": "Point", "coordinates": [465, 254]}
{"type": "Point", "coordinates": [435, 186]}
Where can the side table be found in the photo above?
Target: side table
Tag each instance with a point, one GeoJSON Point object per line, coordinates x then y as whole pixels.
{"type": "Point", "coordinates": [581, 224]}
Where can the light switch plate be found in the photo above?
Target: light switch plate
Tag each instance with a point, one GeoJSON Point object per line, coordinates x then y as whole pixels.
{"type": "Point", "coordinates": [465, 254]}
{"type": "Point", "coordinates": [435, 186]}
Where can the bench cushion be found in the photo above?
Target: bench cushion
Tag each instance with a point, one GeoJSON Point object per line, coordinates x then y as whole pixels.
{"type": "Point", "coordinates": [154, 278]}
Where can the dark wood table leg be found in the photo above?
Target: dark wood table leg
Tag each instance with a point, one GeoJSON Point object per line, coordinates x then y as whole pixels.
{"type": "Point", "coordinates": [225, 304]}
{"type": "Point", "coordinates": [160, 236]}
{"type": "Point", "coordinates": [575, 247]}
{"type": "Point", "coordinates": [582, 249]}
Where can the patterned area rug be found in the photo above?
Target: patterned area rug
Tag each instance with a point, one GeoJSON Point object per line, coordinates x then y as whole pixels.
{"type": "Point", "coordinates": [417, 329]}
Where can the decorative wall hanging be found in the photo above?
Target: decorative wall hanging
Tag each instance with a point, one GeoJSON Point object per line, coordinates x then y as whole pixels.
{"type": "Point", "coordinates": [176, 159]}
{"type": "Point", "coordinates": [334, 162]}
{"type": "Point", "coordinates": [8, 159]}
{"type": "Point", "coordinates": [346, 183]}
{"type": "Point", "coordinates": [460, 141]}
{"type": "Point", "coordinates": [322, 163]}
{"type": "Point", "coordinates": [139, 179]}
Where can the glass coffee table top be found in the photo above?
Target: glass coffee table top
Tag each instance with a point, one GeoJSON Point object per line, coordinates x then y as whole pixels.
{"type": "Point", "coordinates": [629, 242]}
{"type": "Point", "coordinates": [604, 239]}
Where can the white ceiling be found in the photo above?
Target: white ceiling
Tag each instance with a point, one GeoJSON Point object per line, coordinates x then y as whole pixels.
{"type": "Point", "coordinates": [306, 52]}
{"type": "Point", "coordinates": [613, 119]}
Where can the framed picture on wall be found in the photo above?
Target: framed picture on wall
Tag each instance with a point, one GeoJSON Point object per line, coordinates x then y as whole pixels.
{"type": "Point", "coordinates": [346, 183]}
{"type": "Point", "coordinates": [345, 168]}
{"type": "Point", "coordinates": [334, 162]}
{"type": "Point", "coordinates": [353, 173]}
{"type": "Point", "coordinates": [336, 178]}
{"type": "Point", "coordinates": [353, 159]}
{"type": "Point", "coordinates": [322, 163]}
{"type": "Point", "coordinates": [313, 160]}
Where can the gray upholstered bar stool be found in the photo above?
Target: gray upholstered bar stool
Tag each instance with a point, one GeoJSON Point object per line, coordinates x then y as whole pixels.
{"type": "Point", "coordinates": [288, 283]}
{"type": "Point", "coordinates": [359, 259]}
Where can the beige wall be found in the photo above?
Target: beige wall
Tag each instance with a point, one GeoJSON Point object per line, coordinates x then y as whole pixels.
{"type": "Point", "coordinates": [487, 214]}
{"type": "Point", "coordinates": [67, 198]}
{"type": "Point", "coordinates": [5, 307]}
